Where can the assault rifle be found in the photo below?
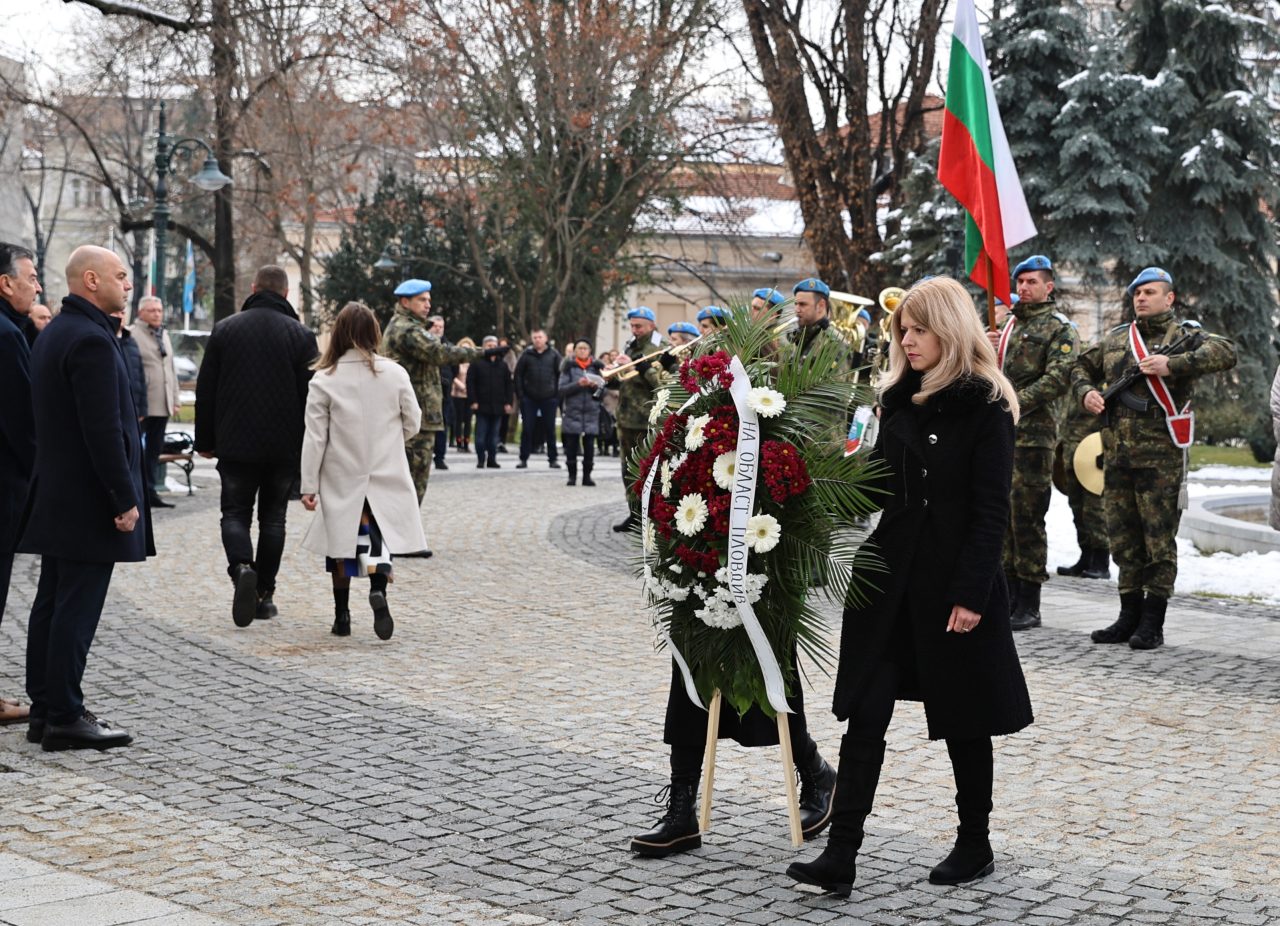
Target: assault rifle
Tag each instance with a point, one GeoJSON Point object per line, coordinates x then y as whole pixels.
{"type": "Point", "coordinates": [1187, 341]}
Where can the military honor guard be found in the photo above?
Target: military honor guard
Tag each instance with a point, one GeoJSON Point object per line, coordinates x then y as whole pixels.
{"type": "Point", "coordinates": [1036, 349]}
{"type": "Point", "coordinates": [1151, 366]}
{"type": "Point", "coordinates": [682, 333]}
{"type": "Point", "coordinates": [710, 318]}
{"type": "Point", "coordinates": [636, 373]}
{"type": "Point", "coordinates": [765, 300]}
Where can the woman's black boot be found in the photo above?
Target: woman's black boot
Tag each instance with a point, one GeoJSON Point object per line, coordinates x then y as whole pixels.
{"type": "Point", "coordinates": [678, 829]}
{"type": "Point", "coordinates": [817, 792]}
{"type": "Point", "coordinates": [972, 857]}
{"type": "Point", "coordinates": [835, 869]}
{"type": "Point", "coordinates": [341, 624]}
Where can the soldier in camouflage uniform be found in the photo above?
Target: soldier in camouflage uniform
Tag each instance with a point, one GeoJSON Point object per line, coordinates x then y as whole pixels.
{"type": "Point", "coordinates": [1086, 508]}
{"type": "Point", "coordinates": [1039, 347]}
{"type": "Point", "coordinates": [1144, 468]}
{"type": "Point", "coordinates": [635, 398]}
{"type": "Point", "coordinates": [409, 342]}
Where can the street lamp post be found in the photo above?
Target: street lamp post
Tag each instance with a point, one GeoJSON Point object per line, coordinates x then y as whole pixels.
{"type": "Point", "coordinates": [209, 178]}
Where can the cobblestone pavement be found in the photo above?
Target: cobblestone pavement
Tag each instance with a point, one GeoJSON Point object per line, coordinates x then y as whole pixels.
{"type": "Point", "coordinates": [489, 763]}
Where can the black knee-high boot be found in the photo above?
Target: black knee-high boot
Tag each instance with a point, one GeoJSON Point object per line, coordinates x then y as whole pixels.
{"type": "Point", "coordinates": [836, 868]}
{"type": "Point", "coordinates": [972, 858]}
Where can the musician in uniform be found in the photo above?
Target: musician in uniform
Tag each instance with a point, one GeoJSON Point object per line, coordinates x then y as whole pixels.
{"type": "Point", "coordinates": [765, 300]}
{"type": "Point", "coordinates": [1146, 431]}
{"type": "Point", "coordinates": [711, 318]}
{"type": "Point", "coordinates": [1035, 349]}
{"type": "Point", "coordinates": [681, 333]}
{"type": "Point", "coordinates": [1086, 508]}
{"type": "Point", "coordinates": [635, 396]}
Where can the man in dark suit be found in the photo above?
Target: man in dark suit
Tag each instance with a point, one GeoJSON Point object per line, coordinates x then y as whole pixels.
{"type": "Point", "coordinates": [19, 286]}
{"type": "Point", "coordinates": [250, 398]}
{"type": "Point", "coordinates": [84, 512]}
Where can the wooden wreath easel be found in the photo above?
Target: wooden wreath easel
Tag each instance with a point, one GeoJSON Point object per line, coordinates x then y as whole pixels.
{"type": "Point", "coordinates": [788, 771]}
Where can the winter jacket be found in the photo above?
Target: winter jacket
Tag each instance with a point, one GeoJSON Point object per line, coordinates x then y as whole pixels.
{"type": "Point", "coordinates": [581, 409]}
{"type": "Point", "coordinates": [137, 373]}
{"type": "Point", "coordinates": [162, 376]}
{"type": "Point", "coordinates": [489, 386]}
{"type": "Point", "coordinates": [1038, 358]}
{"type": "Point", "coordinates": [538, 374]}
{"type": "Point", "coordinates": [409, 342]}
{"type": "Point", "coordinates": [252, 387]}
{"type": "Point", "coordinates": [17, 426]}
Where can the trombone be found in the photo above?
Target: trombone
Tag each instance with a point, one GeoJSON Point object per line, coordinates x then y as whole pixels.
{"type": "Point", "coordinates": [626, 371]}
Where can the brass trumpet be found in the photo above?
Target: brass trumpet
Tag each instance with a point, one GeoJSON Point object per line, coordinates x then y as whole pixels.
{"type": "Point", "coordinates": [625, 371]}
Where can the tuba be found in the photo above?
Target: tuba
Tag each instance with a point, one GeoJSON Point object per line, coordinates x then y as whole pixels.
{"type": "Point", "coordinates": [844, 317]}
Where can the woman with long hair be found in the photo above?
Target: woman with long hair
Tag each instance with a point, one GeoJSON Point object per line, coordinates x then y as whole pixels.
{"type": "Point", "coordinates": [360, 410]}
{"type": "Point", "coordinates": [937, 630]}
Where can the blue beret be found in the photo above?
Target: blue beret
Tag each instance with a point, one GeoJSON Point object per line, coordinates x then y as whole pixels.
{"type": "Point", "coordinates": [863, 313]}
{"type": "Point", "coordinates": [1034, 262]}
{"type": "Point", "coordinates": [812, 285]}
{"type": "Point", "coordinates": [771, 296]}
{"type": "Point", "coordinates": [411, 288]}
{"type": "Point", "coordinates": [683, 328]}
{"type": "Point", "coordinates": [712, 311]}
{"type": "Point", "coordinates": [642, 311]}
{"type": "Point", "coordinates": [1150, 275]}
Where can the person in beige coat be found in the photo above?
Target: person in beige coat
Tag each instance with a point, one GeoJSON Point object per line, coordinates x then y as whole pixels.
{"type": "Point", "coordinates": [360, 410]}
{"type": "Point", "coordinates": [162, 386]}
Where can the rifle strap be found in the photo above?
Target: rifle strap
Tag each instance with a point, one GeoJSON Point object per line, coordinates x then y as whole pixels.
{"type": "Point", "coordinates": [1181, 425]}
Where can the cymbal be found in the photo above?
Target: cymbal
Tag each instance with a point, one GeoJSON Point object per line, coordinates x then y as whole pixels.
{"type": "Point", "coordinates": [1086, 463]}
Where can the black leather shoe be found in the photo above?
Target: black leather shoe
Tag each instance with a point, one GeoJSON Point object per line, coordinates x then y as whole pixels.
{"type": "Point", "coordinates": [441, 464]}
{"type": "Point", "coordinates": [86, 733]}
{"type": "Point", "coordinates": [157, 502]}
{"type": "Point", "coordinates": [266, 608]}
{"type": "Point", "coordinates": [834, 870]}
{"type": "Point", "coordinates": [1027, 614]}
{"type": "Point", "coordinates": [493, 464]}
{"type": "Point", "coordinates": [244, 606]}
{"type": "Point", "coordinates": [817, 796]}
{"type": "Point", "coordinates": [970, 860]}
{"type": "Point", "coordinates": [588, 481]}
{"type": "Point", "coordinates": [631, 522]}
{"type": "Point", "coordinates": [383, 625]}
{"type": "Point", "coordinates": [342, 625]}
{"type": "Point", "coordinates": [553, 465]}
{"type": "Point", "coordinates": [523, 464]}
{"type": "Point", "coordinates": [35, 731]}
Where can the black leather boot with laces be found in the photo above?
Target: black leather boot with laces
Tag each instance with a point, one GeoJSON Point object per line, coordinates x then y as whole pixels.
{"type": "Point", "coordinates": [677, 831]}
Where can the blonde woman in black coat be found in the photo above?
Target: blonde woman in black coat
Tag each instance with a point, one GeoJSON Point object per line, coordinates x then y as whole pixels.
{"type": "Point", "coordinates": [938, 631]}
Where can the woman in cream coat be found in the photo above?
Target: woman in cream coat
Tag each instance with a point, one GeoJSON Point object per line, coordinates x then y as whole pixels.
{"type": "Point", "coordinates": [360, 410]}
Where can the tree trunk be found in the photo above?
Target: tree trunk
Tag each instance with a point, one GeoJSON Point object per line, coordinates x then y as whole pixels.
{"type": "Point", "coordinates": [222, 37]}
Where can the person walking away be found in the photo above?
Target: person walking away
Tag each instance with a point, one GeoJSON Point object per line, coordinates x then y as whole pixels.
{"type": "Point", "coordinates": [87, 508]}
{"type": "Point", "coordinates": [361, 409]}
{"type": "Point", "coordinates": [162, 386]}
{"type": "Point", "coordinates": [937, 629]}
{"type": "Point", "coordinates": [250, 396]}
{"type": "Point", "coordinates": [537, 380]}
{"type": "Point", "coordinates": [19, 287]}
{"type": "Point", "coordinates": [491, 393]}
{"type": "Point", "coordinates": [580, 382]}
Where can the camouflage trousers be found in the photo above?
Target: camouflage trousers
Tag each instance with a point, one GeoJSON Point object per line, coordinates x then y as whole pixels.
{"type": "Point", "coordinates": [1142, 520]}
{"type": "Point", "coordinates": [1087, 509]}
{"type": "Point", "coordinates": [629, 440]}
{"type": "Point", "coordinates": [1026, 547]}
{"type": "Point", "coordinates": [420, 449]}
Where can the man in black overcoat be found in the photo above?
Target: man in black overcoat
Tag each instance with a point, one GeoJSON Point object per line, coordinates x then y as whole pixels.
{"type": "Point", "coordinates": [86, 510]}
{"type": "Point", "coordinates": [19, 286]}
{"type": "Point", "coordinates": [251, 395]}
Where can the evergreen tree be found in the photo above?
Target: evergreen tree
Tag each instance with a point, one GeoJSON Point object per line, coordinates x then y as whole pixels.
{"type": "Point", "coordinates": [927, 237]}
{"type": "Point", "coordinates": [1210, 207]}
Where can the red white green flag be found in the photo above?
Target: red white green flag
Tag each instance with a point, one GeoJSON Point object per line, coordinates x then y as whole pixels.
{"type": "Point", "coordinates": [975, 164]}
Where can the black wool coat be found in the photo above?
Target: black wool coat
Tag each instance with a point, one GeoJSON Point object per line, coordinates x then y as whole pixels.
{"type": "Point", "coordinates": [949, 465]}
{"type": "Point", "coordinates": [17, 426]}
{"type": "Point", "coordinates": [88, 466]}
{"type": "Point", "coordinates": [251, 393]}
{"type": "Point", "coordinates": [489, 385]}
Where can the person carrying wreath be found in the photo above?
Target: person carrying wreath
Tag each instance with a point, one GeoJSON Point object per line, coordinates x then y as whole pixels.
{"type": "Point", "coordinates": [361, 409]}
{"type": "Point", "coordinates": [938, 629]}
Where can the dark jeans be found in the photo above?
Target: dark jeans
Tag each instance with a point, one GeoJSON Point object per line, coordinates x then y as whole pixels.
{"type": "Point", "coordinates": [64, 618]}
{"type": "Point", "coordinates": [153, 436]}
{"type": "Point", "coordinates": [442, 436]}
{"type": "Point", "coordinates": [588, 442]}
{"type": "Point", "coordinates": [538, 413]}
{"type": "Point", "coordinates": [487, 433]}
{"type": "Point", "coordinates": [461, 424]}
{"type": "Point", "coordinates": [268, 484]}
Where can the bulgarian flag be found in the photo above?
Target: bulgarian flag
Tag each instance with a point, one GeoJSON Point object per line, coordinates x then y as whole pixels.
{"type": "Point", "coordinates": [975, 164]}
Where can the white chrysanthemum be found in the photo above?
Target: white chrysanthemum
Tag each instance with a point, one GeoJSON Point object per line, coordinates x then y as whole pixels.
{"type": "Point", "coordinates": [677, 592]}
{"type": "Point", "coordinates": [722, 575]}
{"type": "Point", "coordinates": [719, 615]}
{"type": "Point", "coordinates": [693, 436]}
{"type": "Point", "coordinates": [664, 474]}
{"type": "Point", "coordinates": [650, 537]}
{"type": "Point", "coordinates": [699, 591]}
{"type": "Point", "coordinates": [678, 462]}
{"type": "Point", "coordinates": [763, 532]}
{"type": "Point", "coordinates": [675, 569]}
{"type": "Point", "coordinates": [766, 402]}
{"type": "Point", "coordinates": [724, 469]}
{"type": "Point", "coordinates": [691, 514]}
{"type": "Point", "coordinates": [659, 405]}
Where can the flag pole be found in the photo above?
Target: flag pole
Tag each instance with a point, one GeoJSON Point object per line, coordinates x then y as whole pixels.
{"type": "Point", "coordinates": [991, 293]}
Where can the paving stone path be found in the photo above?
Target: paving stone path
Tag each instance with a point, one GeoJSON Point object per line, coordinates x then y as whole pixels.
{"type": "Point", "coordinates": [489, 763]}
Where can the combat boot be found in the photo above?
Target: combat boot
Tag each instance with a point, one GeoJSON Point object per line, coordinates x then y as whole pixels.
{"type": "Point", "coordinates": [1027, 614]}
{"type": "Point", "coordinates": [971, 858]}
{"type": "Point", "coordinates": [836, 868]}
{"type": "Point", "coordinates": [1125, 624]}
{"type": "Point", "coordinates": [678, 829]}
{"type": "Point", "coordinates": [1078, 567]}
{"type": "Point", "coordinates": [817, 795]}
{"type": "Point", "coordinates": [1150, 632]}
{"type": "Point", "coordinates": [1099, 565]}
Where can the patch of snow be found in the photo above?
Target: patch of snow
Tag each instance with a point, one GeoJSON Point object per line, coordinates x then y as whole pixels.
{"type": "Point", "coordinates": [1220, 472]}
{"type": "Point", "coordinates": [1159, 130]}
{"type": "Point", "coordinates": [1191, 155]}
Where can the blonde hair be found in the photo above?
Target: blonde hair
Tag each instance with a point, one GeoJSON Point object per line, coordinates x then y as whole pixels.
{"type": "Point", "coordinates": [356, 328]}
{"type": "Point", "coordinates": [943, 307]}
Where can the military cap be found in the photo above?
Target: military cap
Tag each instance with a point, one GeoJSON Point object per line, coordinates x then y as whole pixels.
{"type": "Point", "coordinates": [642, 311]}
{"type": "Point", "coordinates": [712, 311]}
{"type": "Point", "coordinates": [1150, 275]}
{"type": "Point", "coordinates": [812, 285]}
{"type": "Point", "coordinates": [683, 328]}
{"type": "Point", "coordinates": [771, 296]}
{"type": "Point", "coordinates": [410, 288]}
{"type": "Point", "coordinates": [864, 315]}
{"type": "Point", "coordinates": [1034, 262]}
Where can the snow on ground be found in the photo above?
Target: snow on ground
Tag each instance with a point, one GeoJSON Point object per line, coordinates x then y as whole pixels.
{"type": "Point", "coordinates": [1249, 575]}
